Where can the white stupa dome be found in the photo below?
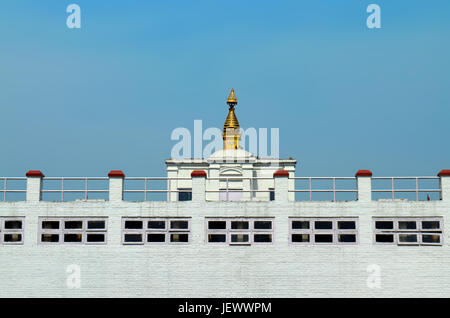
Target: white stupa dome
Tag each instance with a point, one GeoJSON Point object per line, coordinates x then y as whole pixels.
{"type": "Point", "coordinates": [232, 154]}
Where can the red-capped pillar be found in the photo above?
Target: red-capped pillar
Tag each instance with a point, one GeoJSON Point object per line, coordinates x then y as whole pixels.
{"type": "Point", "coordinates": [364, 185]}
{"type": "Point", "coordinates": [34, 185]}
{"type": "Point", "coordinates": [281, 183]}
{"type": "Point", "coordinates": [444, 182]}
{"type": "Point", "coordinates": [116, 178]}
{"type": "Point", "coordinates": [198, 185]}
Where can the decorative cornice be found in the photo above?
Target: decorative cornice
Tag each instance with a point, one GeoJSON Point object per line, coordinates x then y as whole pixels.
{"type": "Point", "coordinates": [444, 172]}
{"type": "Point", "coordinates": [198, 173]}
{"type": "Point", "coordinates": [363, 173]}
{"type": "Point", "coordinates": [281, 173]}
{"type": "Point", "coordinates": [34, 173]}
{"type": "Point", "coordinates": [116, 174]}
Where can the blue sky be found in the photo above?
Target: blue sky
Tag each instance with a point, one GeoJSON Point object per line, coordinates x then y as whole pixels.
{"type": "Point", "coordinates": [108, 95]}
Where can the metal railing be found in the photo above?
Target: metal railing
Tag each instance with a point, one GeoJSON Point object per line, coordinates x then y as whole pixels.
{"type": "Point", "coordinates": [146, 189]}
{"type": "Point", "coordinates": [334, 190]}
{"type": "Point", "coordinates": [416, 189]}
{"type": "Point", "coordinates": [62, 190]}
{"type": "Point", "coordinates": [386, 185]}
{"type": "Point", "coordinates": [5, 188]}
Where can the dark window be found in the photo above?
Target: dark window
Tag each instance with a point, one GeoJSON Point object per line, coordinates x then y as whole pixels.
{"type": "Point", "coordinates": [53, 225]}
{"type": "Point", "coordinates": [52, 238]}
{"type": "Point", "coordinates": [263, 225]}
{"type": "Point", "coordinates": [407, 238]}
{"type": "Point", "coordinates": [96, 224]}
{"type": "Point", "coordinates": [430, 225]}
{"type": "Point", "coordinates": [347, 238]}
{"type": "Point", "coordinates": [430, 238]}
{"type": "Point", "coordinates": [239, 225]}
{"type": "Point", "coordinates": [179, 238]}
{"type": "Point", "coordinates": [12, 238]}
{"type": "Point", "coordinates": [346, 225]}
{"type": "Point", "coordinates": [95, 238]}
{"type": "Point", "coordinates": [156, 238]}
{"type": "Point", "coordinates": [73, 224]}
{"type": "Point", "coordinates": [217, 238]}
{"type": "Point", "coordinates": [407, 225]}
{"type": "Point", "coordinates": [239, 238]}
{"type": "Point", "coordinates": [72, 238]}
{"type": "Point", "coordinates": [384, 225]}
{"type": "Point", "coordinates": [132, 238]}
{"type": "Point", "coordinates": [300, 238]}
{"type": "Point", "coordinates": [13, 225]}
{"type": "Point", "coordinates": [217, 225]}
{"type": "Point", "coordinates": [297, 225]}
{"type": "Point", "coordinates": [409, 231]}
{"type": "Point", "coordinates": [185, 196]}
{"type": "Point", "coordinates": [323, 225]}
{"type": "Point", "coordinates": [323, 238]}
{"type": "Point", "coordinates": [156, 224]}
{"type": "Point", "coordinates": [133, 224]}
{"type": "Point", "coordinates": [262, 238]}
{"type": "Point", "coordinates": [184, 225]}
{"type": "Point", "coordinates": [384, 238]}
{"type": "Point", "coordinates": [272, 195]}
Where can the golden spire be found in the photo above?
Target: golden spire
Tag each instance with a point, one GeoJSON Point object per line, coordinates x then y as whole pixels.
{"type": "Point", "coordinates": [231, 130]}
{"type": "Point", "coordinates": [232, 100]}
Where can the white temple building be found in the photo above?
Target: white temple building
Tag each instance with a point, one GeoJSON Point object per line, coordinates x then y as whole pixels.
{"type": "Point", "coordinates": [231, 225]}
{"type": "Point", "coordinates": [233, 174]}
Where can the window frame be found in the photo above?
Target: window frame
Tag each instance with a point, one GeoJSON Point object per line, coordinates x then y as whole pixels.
{"type": "Point", "coordinates": [167, 231]}
{"type": "Point", "coordinates": [61, 231]}
{"type": "Point", "coordinates": [271, 194]}
{"type": "Point", "coordinates": [223, 191]}
{"type": "Point", "coordinates": [184, 190]}
{"type": "Point", "coordinates": [334, 231]}
{"type": "Point", "coordinates": [228, 231]}
{"type": "Point", "coordinates": [419, 231]}
{"type": "Point", "coordinates": [4, 231]}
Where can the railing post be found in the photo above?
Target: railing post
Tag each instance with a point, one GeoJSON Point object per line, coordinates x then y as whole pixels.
{"type": "Point", "coordinates": [116, 185]}
{"type": "Point", "coordinates": [172, 183]}
{"type": "Point", "coordinates": [247, 181]}
{"type": "Point", "coordinates": [281, 183]}
{"type": "Point", "coordinates": [364, 185]}
{"type": "Point", "coordinates": [213, 173]}
{"type": "Point", "coordinates": [34, 185]}
{"type": "Point", "coordinates": [198, 185]}
{"type": "Point", "coordinates": [444, 183]}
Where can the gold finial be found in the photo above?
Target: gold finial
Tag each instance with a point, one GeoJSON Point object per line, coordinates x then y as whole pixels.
{"type": "Point", "coordinates": [231, 130]}
{"type": "Point", "coordinates": [232, 100]}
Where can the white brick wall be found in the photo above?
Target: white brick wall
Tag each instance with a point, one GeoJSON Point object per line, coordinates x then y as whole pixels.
{"type": "Point", "coordinates": [34, 185]}
{"type": "Point", "coordinates": [201, 270]}
{"type": "Point", "coordinates": [445, 187]}
{"type": "Point", "coordinates": [115, 189]}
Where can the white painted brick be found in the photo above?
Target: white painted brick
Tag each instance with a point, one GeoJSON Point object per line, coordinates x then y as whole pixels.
{"type": "Point", "coordinates": [115, 189]}
{"type": "Point", "coordinates": [34, 185]}
{"type": "Point", "coordinates": [364, 186]}
{"type": "Point", "coordinates": [198, 189]}
{"type": "Point", "coordinates": [445, 188]}
{"type": "Point", "coordinates": [281, 189]}
{"type": "Point", "coordinates": [201, 270]}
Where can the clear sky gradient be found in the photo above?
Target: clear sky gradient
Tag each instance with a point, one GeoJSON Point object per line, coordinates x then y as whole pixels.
{"type": "Point", "coordinates": [108, 95]}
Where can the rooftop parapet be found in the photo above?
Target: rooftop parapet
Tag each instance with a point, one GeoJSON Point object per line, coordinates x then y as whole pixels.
{"type": "Point", "coordinates": [363, 187]}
